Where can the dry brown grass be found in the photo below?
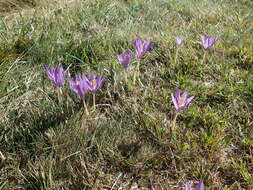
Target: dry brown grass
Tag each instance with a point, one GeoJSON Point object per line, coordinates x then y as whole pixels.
{"type": "Point", "coordinates": [10, 6]}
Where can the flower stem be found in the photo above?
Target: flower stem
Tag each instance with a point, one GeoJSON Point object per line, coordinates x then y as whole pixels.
{"type": "Point", "coordinates": [137, 72]}
{"type": "Point", "coordinates": [174, 121]}
{"type": "Point", "coordinates": [85, 107]}
{"type": "Point", "coordinates": [125, 73]}
{"type": "Point", "coordinates": [59, 92]}
{"type": "Point", "coordinates": [94, 101]}
{"type": "Point", "coordinates": [176, 55]}
{"type": "Point", "coordinates": [204, 57]}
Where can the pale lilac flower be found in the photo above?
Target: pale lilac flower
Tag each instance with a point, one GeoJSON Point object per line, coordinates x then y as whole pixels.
{"type": "Point", "coordinates": [180, 41]}
{"type": "Point", "coordinates": [181, 101]}
{"type": "Point", "coordinates": [94, 83]}
{"type": "Point", "coordinates": [141, 47]}
{"type": "Point", "coordinates": [209, 41]}
{"type": "Point", "coordinates": [199, 186]}
{"type": "Point", "coordinates": [125, 58]}
{"type": "Point", "coordinates": [79, 85]}
{"type": "Point", "coordinates": [56, 75]}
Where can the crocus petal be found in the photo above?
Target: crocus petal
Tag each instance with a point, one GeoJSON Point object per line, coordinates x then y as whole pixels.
{"type": "Point", "coordinates": [78, 85]}
{"type": "Point", "coordinates": [90, 86]}
{"type": "Point", "coordinates": [71, 81]}
{"type": "Point", "coordinates": [141, 47]}
{"type": "Point", "coordinates": [147, 46]}
{"type": "Point", "coordinates": [84, 78]}
{"type": "Point", "coordinates": [48, 72]}
{"type": "Point", "coordinates": [128, 57]}
{"type": "Point", "coordinates": [120, 58]}
{"type": "Point", "coordinates": [72, 84]}
{"type": "Point", "coordinates": [180, 41]}
{"type": "Point", "coordinates": [217, 38]}
{"type": "Point", "coordinates": [174, 102]}
{"type": "Point", "coordinates": [59, 76]}
{"type": "Point", "coordinates": [92, 76]}
{"type": "Point", "coordinates": [187, 186]}
{"type": "Point", "coordinates": [125, 58]}
{"type": "Point", "coordinates": [203, 39]}
{"type": "Point", "coordinates": [177, 93]}
{"type": "Point", "coordinates": [209, 41]}
{"type": "Point", "coordinates": [200, 186]}
{"type": "Point", "coordinates": [189, 100]}
{"type": "Point", "coordinates": [100, 82]}
{"type": "Point", "coordinates": [137, 47]}
{"type": "Point", "coordinates": [206, 40]}
{"type": "Point", "coordinates": [183, 97]}
{"type": "Point", "coordinates": [56, 75]}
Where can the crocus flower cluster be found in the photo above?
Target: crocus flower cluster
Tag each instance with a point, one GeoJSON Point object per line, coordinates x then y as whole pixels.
{"type": "Point", "coordinates": [181, 101]}
{"type": "Point", "coordinates": [199, 186]}
{"type": "Point", "coordinates": [141, 48]}
{"type": "Point", "coordinates": [207, 41]}
{"type": "Point", "coordinates": [80, 84]}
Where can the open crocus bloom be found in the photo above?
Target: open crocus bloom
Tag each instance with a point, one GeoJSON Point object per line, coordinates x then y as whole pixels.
{"type": "Point", "coordinates": [56, 75]}
{"type": "Point", "coordinates": [199, 186]}
{"type": "Point", "coordinates": [209, 41]}
{"type": "Point", "coordinates": [79, 85]}
{"type": "Point", "coordinates": [141, 47]}
{"type": "Point", "coordinates": [94, 83]}
{"type": "Point", "coordinates": [125, 58]}
{"type": "Point", "coordinates": [180, 41]}
{"type": "Point", "coordinates": [181, 101]}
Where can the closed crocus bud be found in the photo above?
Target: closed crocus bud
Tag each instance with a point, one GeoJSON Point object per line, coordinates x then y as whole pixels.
{"type": "Point", "coordinates": [180, 41]}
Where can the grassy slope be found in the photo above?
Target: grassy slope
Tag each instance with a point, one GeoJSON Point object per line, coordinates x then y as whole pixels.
{"type": "Point", "coordinates": [127, 140]}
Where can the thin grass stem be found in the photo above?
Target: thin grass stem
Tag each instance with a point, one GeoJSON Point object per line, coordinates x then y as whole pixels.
{"type": "Point", "coordinates": [94, 101]}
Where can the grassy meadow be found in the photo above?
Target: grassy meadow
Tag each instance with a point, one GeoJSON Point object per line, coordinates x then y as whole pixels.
{"type": "Point", "coordinates": [128, 141]}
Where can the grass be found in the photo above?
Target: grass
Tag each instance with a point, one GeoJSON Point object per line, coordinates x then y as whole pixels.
{"type": "Point", "coordinates": [7, 6]}
{"type": "Point", "coordinates": [128, 140]}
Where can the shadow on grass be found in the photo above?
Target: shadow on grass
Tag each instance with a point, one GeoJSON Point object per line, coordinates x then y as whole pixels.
{"type": "Point", "coordinates": [27, 128]}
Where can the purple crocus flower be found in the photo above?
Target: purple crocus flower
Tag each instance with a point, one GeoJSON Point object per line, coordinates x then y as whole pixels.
{"type": "Point", "coordinates": [125, 58]}
{"type": "Point", "coordinates": [181, 101]}
{"type": "Point", "coordinates": [94, 83]}
{"type": "Point", "coordinates": [56, 75]}
{"type": "Point", "coordinates": [209, 41]}
{"type": "Point", "coordinates": [199, 186]}
{"type": "Point", "coordinates": [180, 41]}
{"type": "Point", "coordinates": [79, 85]}
{"type": "Point", "coordinates": [141, 47]}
